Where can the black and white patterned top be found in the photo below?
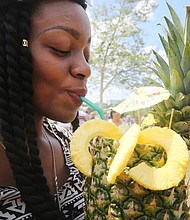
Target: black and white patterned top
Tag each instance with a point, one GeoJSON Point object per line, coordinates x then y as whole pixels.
{"type": "Point", "coordinates": [71, 196]}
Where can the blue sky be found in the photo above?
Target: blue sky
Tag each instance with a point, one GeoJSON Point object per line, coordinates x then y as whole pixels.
{"type": "Point", "coordinates": [151, 28]}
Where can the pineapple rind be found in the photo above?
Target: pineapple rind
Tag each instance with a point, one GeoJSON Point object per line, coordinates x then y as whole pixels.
{"type": "Point", "coordinates": [129, 200]}
{"type": "Point", "coordinates": [103, 150]}
{"type": "Point", "coordinates": [80, 142]}
{"type": "Point", "coordinates": [176, 165]}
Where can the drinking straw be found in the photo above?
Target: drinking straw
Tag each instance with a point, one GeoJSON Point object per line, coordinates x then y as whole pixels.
{"type": "Point", "coordinates": [95, 107]}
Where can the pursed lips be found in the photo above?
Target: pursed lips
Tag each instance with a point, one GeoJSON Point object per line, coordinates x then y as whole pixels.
{"type": "Point", "coordinates": [78, 91]}
{"type": "Point", "coordinates": [75, 95]}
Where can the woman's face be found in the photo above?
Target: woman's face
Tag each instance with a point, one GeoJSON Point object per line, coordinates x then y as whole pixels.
{"type": "Point", "coordinates": [116, 115]}
{"type": "Point", "coordinates": [60, 47]}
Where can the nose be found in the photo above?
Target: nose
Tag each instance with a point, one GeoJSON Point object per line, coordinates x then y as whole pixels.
{"type": "Point", "coordinates": [81, 68]}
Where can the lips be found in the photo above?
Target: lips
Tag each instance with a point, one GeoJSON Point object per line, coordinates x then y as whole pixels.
{"type": "Point", "coordinates": [76, 99]}
{"type": "Point", "coordinates": [75, 95]}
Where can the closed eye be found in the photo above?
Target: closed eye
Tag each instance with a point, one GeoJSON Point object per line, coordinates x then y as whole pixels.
{"type": "Point", "coordinates": [60, 53]}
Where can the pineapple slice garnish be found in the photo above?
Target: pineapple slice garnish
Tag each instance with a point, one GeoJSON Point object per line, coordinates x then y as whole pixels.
{"type": "Point", "coordinates": [80, 142]}
{"type": "Point", "coordinates": [176, 165]}
{"type": "Point", "coordinates": [126, 147]}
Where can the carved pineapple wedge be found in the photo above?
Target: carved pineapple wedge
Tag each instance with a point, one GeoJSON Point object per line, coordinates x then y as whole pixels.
{"type": "Point", "coordinates": [80, 142]}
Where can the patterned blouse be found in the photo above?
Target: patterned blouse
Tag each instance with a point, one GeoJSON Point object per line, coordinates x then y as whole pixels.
{"type": "Point", "coordinates": [71, 198]}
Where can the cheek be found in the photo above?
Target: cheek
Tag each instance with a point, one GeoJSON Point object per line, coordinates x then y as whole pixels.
{"type": "Point", "coordinates": [44, 81]}
{"type": "Point", "coordinates": [46, 70]}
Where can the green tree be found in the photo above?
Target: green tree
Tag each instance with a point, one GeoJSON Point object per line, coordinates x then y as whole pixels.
{"type": "Point", "coordinates": [118, 57]}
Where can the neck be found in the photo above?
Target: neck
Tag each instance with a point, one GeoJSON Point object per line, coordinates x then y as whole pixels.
{"type": "Point", "coordinates": [116, 121]}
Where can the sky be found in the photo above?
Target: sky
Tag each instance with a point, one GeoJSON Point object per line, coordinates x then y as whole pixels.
{"type": "Point", "coordinates": [151, 37]}
{"type": "Point", "coordinates": [151, 29]}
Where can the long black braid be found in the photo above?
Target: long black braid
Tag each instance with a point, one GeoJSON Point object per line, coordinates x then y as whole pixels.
{"type": "Point", "coordinates": [17, 114]}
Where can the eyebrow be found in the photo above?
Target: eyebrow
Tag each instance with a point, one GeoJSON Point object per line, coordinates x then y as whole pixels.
{"type": "Point", "coordinates": [74, 33]}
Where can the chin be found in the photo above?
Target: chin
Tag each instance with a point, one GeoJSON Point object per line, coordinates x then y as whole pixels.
{"type": "Point", "coordinates": [68, 119]}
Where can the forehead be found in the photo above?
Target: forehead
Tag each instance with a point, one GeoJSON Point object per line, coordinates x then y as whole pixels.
{"type": "Point", "coordinates": [56, 13]}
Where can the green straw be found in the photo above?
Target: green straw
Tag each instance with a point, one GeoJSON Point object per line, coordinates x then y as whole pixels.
{"type": "Point", "coordinates": [95, 107]}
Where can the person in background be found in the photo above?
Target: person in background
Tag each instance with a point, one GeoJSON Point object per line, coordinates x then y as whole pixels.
{"type": "Point", "coordinates": [87, 115]}
{"type": "Point", "coordinates": [92, 115]}
{"type": "Point", "coordinates": [116, 119]}
{"type": "Point", "coordinates": [129, 119]}
{"type": "Point", "coordinates": [81, 117]}
{"type": "Point", "coordinates": [44, 53]}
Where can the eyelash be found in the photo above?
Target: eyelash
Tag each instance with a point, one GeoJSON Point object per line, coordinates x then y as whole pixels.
{"type": "Point", "coordinates": [61, 53]}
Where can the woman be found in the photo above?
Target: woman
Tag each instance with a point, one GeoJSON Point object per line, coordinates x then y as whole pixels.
{"type": "Point", "coordinates": [115, 118]}
{"type": "Point", "coordinates": [44, 52]}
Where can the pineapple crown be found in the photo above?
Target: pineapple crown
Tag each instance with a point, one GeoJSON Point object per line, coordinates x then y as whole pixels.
{"type": "Point", "coordinates": [175, 72]}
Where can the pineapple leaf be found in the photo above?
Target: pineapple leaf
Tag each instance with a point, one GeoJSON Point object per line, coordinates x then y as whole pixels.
{"type": "Point", "coordinates": [159, 117]}
{"type": "Point", "coordinates": [186, 112]}
{"type": "Point", "coordinates": [163, 64]}
{"type": "Point", "coordinates": [175, 35]}
{"type": "Point", "coordinates": [187, 26]}
{"type": "Point", "coordinates": [175, 49]}
{"type": "Point", "coordinates": [170, 103]}
{"type": "Point", "coordinates": [162, 107]}
{"type": "Point", "coordinates": [186, 82]}
{"type": "Point", "coordinates": [176, 21]}
{"type": "Point", "coordinates": [182, 100]}
{"type": "Point", "coordinates": [185, 64]}
{"type": "Point", "coordinates": [177, 85]}
{"type": "Point", "coordinates": [164, 44]}
{"type": "Point", "coordinates": [153, 82]}
{"type": "Point", "coordinates": [181, 127]}
{"type": "Point", "coordinates": [161, 74]}
{"type": "Point", "coordinates": [177, 115]}
{"type": "Point", "coordinates": [166, 32]}
{"type": "Point", "coordinates": [173, 63]}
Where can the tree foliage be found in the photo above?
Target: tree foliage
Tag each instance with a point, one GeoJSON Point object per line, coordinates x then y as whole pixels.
{"type": "Point", "coordinates": [118, 56]}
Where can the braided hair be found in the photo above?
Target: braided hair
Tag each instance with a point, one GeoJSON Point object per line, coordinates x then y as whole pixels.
{"type": "Point", "coordinates": [17, 125]}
